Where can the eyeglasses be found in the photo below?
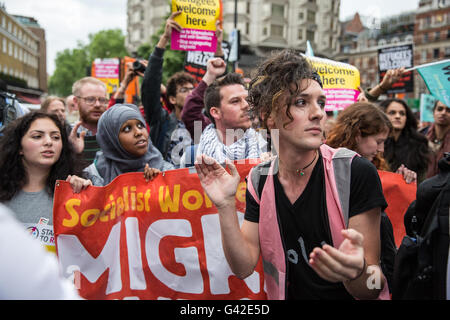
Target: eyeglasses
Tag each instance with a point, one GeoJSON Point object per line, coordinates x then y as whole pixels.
{"type": "Point", "coordinates": [92, 100]}
{"type": "Point", "coordinates": [185, 89]}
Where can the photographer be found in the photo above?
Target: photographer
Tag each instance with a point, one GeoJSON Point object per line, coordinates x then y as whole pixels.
{"type": "Point", "coordinates": [10, 108]}
{"type": "Point", "coordinates": [134, 69]}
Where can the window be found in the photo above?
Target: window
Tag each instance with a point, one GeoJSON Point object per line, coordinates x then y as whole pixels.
{"type": "Point", "coordinates": [264, 31]}
{"type": "Point", "coordinates": [425, 37]}
{"type": "Point", "coordinates": [247, 28]}
{"type": "Point", "coordinates": [437, 35]}
{"type": "Point", "coordinates": [4, 45]}
{"type": "Point", "coordinates": [276, 31]}
{"type": "Point", "coordinates": [300, 34]}
{"type": "Point", "coordinates": [447, 52]}
{"type": "Point", "coordinates": [311, 16]}
{"type": "Point", "coordinates": [247, 10]}
{"type": "Point", "coordinates": [436, 53]}
{"type": "Point", "coordinates": [310, 35]}
{"type": "Point", "coordinates": [301, 15]}
{"type": "Point", "coordinates": [277, 10]}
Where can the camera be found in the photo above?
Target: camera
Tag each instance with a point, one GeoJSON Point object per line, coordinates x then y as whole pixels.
{"type": "Point", "coordinates": [138, 67]}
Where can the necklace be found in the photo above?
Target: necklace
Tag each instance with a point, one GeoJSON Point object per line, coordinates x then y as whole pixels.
{"type": "Point", "coordinates": [302, 171]}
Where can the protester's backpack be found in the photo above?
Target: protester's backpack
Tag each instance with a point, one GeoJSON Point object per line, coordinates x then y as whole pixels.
{"type": "Point", "coordinates": [420, 268]}
{"type": "Point", "coordinates": [8, 111]}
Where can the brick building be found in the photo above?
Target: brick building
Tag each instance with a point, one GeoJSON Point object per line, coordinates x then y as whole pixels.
{"type": "Point", "coordinates": [22, 57]}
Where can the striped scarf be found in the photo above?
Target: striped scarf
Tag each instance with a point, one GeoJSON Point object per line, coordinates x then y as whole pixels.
{"type": "Point", "coordinates": [247, 147]}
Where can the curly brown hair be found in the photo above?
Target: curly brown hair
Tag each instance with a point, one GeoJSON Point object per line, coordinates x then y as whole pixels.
{"type": "Point", "coordinates": [176, 80]}
{"type": "Point", "coordinates": [13, 175]}
{"type": "Point", "coordinates": [281, 73]}
{"type": "Point", "coordinates": [361, 118]}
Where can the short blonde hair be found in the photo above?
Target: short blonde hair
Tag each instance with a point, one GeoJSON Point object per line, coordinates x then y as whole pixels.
{"type": "Point", "coordinates": [76, 88]}
{"type": "Point", "coordinates": [46, 103]}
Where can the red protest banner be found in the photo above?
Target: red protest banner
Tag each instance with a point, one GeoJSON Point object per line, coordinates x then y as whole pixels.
{"type": "Point", "coordinates": [399, 196]}
{"type": "Point", "coordinates": [155, 240]}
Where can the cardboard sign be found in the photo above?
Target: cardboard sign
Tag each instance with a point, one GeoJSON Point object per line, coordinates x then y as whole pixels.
{"type": "Point", "coordinates": [340, 82]}
{"type": "Point", "coordinates": [107, 71]}
{"type": "Point", "coordinates": [394, 58]}
{"type": "Point", "coordinates": [198, 20]}
{"type": "Point", "coordinates": [195, 61]}
{"type": "Point", "coordinates": [155, 240]}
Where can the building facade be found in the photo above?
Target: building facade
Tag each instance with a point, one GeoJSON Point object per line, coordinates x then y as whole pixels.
{"type": "Point", "coordinates": [360, 44]}
{"type": "Point", "coordinates": [20, 57]}
{"type": "Point", "coordinates": [34, 27]}
{"type": "Point", "coordinates": [264, 25]}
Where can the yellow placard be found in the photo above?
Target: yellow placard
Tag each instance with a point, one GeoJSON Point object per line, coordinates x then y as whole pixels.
{"type": "Point", "coordinates": [197, 14]}
{"type": "Point", "coordinates": [336, 75]}
{"type": "Point", "coordinates": [112, 84]}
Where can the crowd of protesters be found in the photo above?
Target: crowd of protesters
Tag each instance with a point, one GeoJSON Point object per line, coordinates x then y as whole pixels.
{"type": "Point", "coordinates": [217, 121]}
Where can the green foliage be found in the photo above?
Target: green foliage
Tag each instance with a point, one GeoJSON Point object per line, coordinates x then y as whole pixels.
{"type": "Point", "coordinates": [107, 44]}
{"type": "Point", "coordinates": [73, 64]}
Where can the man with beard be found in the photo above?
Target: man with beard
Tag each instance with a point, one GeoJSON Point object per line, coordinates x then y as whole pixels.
{"type": "Point", "coordinates": [90, 99]}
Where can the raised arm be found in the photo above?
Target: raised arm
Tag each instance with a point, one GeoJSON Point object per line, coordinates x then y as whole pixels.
{"type": "Point", "coordinates": [391, 77]}
{"type": "Point", "coordinates": [240, 245]}
{"type": "Point", "coordinates": [194, 104]}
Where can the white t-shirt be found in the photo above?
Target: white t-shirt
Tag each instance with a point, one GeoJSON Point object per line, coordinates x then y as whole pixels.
{"type": "Point", "coordinates": [27, 271]}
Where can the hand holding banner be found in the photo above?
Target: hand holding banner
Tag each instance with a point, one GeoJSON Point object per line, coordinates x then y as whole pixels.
{"type": "Point", "coordinates": [156, 240]}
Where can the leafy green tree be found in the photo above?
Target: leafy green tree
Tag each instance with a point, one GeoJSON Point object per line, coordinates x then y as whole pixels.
{"type": "Point", "coordinates": [107, 44]}
{"type": "Point", "coordinates": [72, 65]}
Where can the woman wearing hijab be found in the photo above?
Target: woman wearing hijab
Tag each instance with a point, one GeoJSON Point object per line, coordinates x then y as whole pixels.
{"type": "Point", "coordinates": [125, 147]}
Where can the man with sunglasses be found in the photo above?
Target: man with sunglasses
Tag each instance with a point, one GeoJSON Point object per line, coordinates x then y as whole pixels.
{"type": "Point", "coordinates": [90, 99]}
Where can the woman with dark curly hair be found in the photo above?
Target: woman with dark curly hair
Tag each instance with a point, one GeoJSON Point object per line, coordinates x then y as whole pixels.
{"type": "Point", "coordinates": [36, 153]}
{"type": "Point", "coordinates": [405, 146]}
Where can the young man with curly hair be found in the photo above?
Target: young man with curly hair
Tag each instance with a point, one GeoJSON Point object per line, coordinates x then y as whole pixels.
{"type": "Point", "coordinates": [313, 212]}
